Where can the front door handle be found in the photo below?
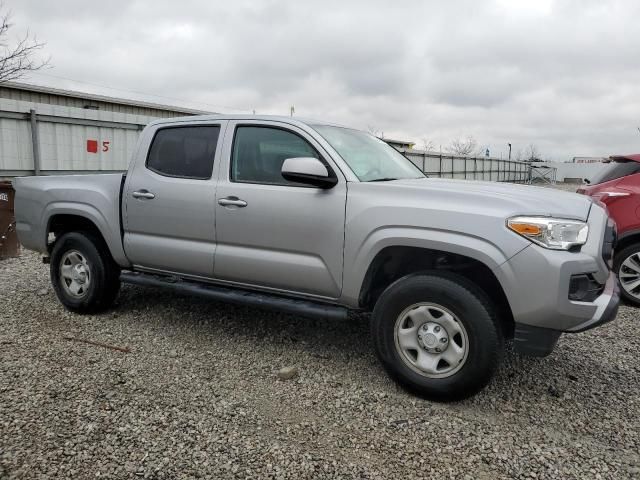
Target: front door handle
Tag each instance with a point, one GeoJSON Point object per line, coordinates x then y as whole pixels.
{"type": "Point", "coordinates": [232, 201]}
{"type": "Point", "coordinates": [143, 194]}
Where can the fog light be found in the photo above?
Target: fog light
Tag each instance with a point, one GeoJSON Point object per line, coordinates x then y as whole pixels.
{"type": "Point", "coordinates": [584, 288]}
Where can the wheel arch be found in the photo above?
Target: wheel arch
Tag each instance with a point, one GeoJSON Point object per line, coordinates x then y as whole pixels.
{"type": "Point", "coordinates": [61, 219]}
{"type": "Point", "coordinates": [394, 262]}
{"type": "Point", "coordinates": [93, 270]}
{"type": "Point", "coordinates": [628, 238]}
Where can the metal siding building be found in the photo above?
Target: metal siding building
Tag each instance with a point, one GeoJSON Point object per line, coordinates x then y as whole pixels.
{"type": "Point", "coordinates": [49, 131]}
{"type": "Point", "coordinates": [52, 131]}
{"type": "Point", "coordinates": [68, 98]}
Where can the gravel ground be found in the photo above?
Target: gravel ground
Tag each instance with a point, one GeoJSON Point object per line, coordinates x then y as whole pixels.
{"type": "Point", "coordinates": [567, 187]}
{"type": "Point", "coordinates": [198, 396]}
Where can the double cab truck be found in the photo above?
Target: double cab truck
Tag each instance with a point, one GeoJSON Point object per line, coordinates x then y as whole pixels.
{"type": "Point", "coordinates": [320, 220]}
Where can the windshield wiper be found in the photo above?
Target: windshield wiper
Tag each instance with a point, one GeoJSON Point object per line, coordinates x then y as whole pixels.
{"type": "Point", "coordinates": [384, 179]}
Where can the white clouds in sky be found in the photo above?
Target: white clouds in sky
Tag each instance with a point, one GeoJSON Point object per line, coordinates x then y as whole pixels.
{"type": "Point", "coordinates": [564, 75]}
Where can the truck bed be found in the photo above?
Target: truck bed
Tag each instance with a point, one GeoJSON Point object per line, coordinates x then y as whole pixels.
{"type": "Point", "coordinates": [95, 197]}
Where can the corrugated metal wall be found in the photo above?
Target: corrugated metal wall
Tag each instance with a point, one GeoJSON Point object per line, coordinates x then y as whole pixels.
{"type": "Point", "coordinates": [70, 139]}
{"type": "Point", "coordinates": [15, 145]}
{"type": "Point", "coordinates": [68, 98]}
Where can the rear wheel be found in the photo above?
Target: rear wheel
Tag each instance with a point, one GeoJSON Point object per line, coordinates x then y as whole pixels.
{"type": "Point", "coordinates": [626, 264]}
{"type": "Point", "coordinates": [437, 335]}
{"type": "Point", "coordinates": [83, 274]}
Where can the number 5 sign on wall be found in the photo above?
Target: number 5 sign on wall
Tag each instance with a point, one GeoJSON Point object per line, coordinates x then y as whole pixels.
{"type": "Point", "coordinates": [92, 146]}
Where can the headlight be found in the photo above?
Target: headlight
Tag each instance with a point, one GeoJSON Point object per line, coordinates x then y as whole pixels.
{"type": "Point", "coordinates": [553, 233]}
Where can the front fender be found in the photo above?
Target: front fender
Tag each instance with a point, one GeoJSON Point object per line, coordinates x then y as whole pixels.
{"type": "Point", "coordinates": [357, 264]}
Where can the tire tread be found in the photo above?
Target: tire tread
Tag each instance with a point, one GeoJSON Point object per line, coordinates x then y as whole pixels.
{"type": "Point", "coordinates": [106, 274]}
{"type": "Point", "coordinates": [443, 283]}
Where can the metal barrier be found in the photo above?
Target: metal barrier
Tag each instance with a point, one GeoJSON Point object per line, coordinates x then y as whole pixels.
{"type": "Point", "coordinates": [543, 174]}
{"type": "Point", "coordinates": [9, 245]}
{"type": "Point", "coordinates": [470, 168]}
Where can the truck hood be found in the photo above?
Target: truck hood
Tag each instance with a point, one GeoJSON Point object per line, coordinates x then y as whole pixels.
{"type": "Point", "coordinates": [511, 199]}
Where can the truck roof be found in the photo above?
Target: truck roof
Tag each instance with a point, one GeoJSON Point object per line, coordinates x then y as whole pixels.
{"type": "Point", "coordinates": [280, 118]}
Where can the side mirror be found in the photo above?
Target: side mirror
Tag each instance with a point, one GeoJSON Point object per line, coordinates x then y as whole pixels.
{"type": "Point", "coordinates": [308, 170]}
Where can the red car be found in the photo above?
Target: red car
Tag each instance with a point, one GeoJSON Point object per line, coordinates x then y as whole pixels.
{"type": "Point", "coordinates": [618, 187]}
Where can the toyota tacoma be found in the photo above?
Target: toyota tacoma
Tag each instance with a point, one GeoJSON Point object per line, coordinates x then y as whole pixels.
{"type": "Point", "coordinates": [320, 220]}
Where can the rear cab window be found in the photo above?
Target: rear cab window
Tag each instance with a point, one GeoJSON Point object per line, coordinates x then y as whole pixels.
{"type": "Point", "coordinates": [184, 152]}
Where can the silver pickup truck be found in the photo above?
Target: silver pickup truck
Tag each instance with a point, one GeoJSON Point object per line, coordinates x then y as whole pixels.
{"type": "Point", "coordinates": [320, 220]}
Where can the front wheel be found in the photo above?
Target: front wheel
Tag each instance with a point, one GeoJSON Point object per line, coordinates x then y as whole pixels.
{"type": "Point", "coordinates": [437, 335]}
{"type": "Point", "coordinates": [83, 274]}
{"type": "Point", "coordinates": [626, 265]}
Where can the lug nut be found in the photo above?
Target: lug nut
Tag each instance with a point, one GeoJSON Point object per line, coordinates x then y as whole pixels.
{"type": "Point", "coordinates": [443, 340]}
{"type": "Point", "coordinates": [437, 350]}
{"type": "Point", "coordinates": [436, 329]}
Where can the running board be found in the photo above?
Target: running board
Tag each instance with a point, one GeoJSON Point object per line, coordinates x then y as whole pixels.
{"type": "Point", "coordinates": [306, 308]}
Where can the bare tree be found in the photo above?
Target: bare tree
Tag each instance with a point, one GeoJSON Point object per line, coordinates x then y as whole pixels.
{"type": "Point", "coordinates": [17, 60]}
{"type": "Point", "coordinates": [481, 151]}
{"type": "Point", "coordinates": [532, 154]}
{"type": "Point", "coordinates": [373, 130]}
{"type": "Point", "coordinates": [462, 147]}
{"type": "Point", "coordinates": [518, 156]}
{"type": "Point", "coordinates": [428, 145]}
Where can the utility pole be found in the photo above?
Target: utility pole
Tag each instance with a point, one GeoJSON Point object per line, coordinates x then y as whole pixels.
{"type": "Point", "coordinates": [292, 110]}
{"type": "Point", "coordinates": [509, 150]}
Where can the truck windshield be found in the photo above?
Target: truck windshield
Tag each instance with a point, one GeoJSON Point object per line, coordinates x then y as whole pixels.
{"type": "Point", "coordinates": [370, 158]}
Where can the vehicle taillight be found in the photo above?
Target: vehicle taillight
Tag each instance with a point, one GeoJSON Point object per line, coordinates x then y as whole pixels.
{"type": "Point", "coordinates": [607, 197]}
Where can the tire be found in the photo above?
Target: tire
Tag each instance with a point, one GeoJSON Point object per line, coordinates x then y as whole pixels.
{"type": "Point", "coordinates": [84, 276]}
{"type": "Point", "coordinates": [626, 274]}
{"type": "Point", "coordinates": [467, 323]}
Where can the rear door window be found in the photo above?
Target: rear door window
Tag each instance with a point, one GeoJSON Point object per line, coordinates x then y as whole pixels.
{"type": "Point", "coordinates": [184, 152]}
{"type": "Point", "coordinates": [615, 170]}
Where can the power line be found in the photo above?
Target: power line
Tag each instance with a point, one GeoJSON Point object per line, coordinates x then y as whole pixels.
{"type": "Point", "coordinates": [141, 93]}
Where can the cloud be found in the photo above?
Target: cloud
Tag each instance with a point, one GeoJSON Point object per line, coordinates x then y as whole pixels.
{"type": "Point", "coordinates": [563, 74]}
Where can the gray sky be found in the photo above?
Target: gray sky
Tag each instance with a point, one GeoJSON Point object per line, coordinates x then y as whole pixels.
{"type": "Point", "coordinates": [564, 75]}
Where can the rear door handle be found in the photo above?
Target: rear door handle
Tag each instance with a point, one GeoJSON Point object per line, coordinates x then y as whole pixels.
{"type": "Point", "coordinates": [143, 194]}
{"type": "Point", "coordinates": [232, 201]}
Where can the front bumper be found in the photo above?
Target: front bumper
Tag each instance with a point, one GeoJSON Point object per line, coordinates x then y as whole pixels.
{"type": "Point", "coordinates": [540, 341]}
{"type": "Point", "coordinates": [537, 280]}
{"type": "Point", "coordinates": [607, 306]}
